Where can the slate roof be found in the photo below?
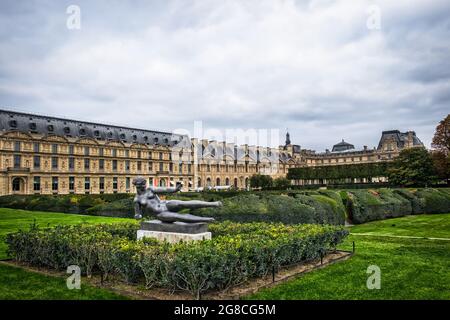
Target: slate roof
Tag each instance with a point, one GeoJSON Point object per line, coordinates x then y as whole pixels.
{"type": "Point", "coordinates": [342, 146]}
{"type": "Point", "coordinates": [32, 123]}
{"type": "Point", "coordinates": [399, 137]}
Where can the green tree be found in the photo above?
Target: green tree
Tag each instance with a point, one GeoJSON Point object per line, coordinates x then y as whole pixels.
{"type": "Point", "coordinates": [261, 181]}
{"type": "Point", "coordinates": [413, 166]}
{"type": "Point", "coordinates": [441, 152]}
{"type": "Point", "coordinates": [281, 183]}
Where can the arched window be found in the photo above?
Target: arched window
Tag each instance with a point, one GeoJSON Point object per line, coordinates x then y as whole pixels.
{"type": "Point", "coordinates": [235, 183]}
{"type": "Point", "coordinates": [218, 182]}
{"type": "Point", "coordinates": [208, 182]}
{"type": "Point", "coordinates": [227, 181]}
{"type": "Point", "coordinates": [16, 184]}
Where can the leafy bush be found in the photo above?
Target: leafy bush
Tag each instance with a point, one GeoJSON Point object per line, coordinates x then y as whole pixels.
{"type": "Point", "coordinates": [279, 208]}
{"type": "Point", "coordinates": [236, 253]}
{"type": "Point", "coordinates": [119, 208]}
{"type": "Point", "coordinates": [70, 203]}
{"type": "Point", "coordinates": [369, 205]}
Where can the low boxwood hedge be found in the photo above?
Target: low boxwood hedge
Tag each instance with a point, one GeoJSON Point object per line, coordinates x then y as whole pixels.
{"type": "Point", "coordinates": [300, 208]}
{"type": "Point", "coordinates": [236, 253]}
{"type": "Point", "coordinates": [70, 203]}
{"type": "Point", "coordinates": [376, 204]}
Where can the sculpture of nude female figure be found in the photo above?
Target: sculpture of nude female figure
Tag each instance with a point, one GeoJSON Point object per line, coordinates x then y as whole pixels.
{"type": "Point", "coordinates": [147, 199]}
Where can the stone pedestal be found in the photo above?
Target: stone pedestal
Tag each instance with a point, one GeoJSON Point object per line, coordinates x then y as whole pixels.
{"type": "Point", "coordinates": [173, 232]}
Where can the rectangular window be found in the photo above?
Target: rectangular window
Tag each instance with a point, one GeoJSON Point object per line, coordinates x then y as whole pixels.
{"type": "Point", "coordinates": [102, 183]}
{"type": "Point", "coordinates": [115, 183]}
{"type": "Point", "coordinates": [160, 156]}
{"type": "Point", "coordinates": [114, 152]}
{"type": "Point", "coordinates": [114, 165]}
{"type": "Point", "coordinates": [36, 147]}
{"type": "Point", "coordinates": [127, 153]}
{"type": "Point", "coordinates": [101, 164]}
{"type": "Point", "coordinates": [127, 165]}
{"type": "Point", "coordinates": [101, 152]}
{"type": "Point", "coordinates": [71, 149]}
{"type": "Point", "coordinates": [161, 166]}
{"type": "Point", "coordinates": [71, 163]}
{"type": "Point", "coordinates": [71, 183]}
{"type": "Point", "coordinates": [17, 161]}
{"type": "Point", "coordinates": [37, 183]}
{"type": "Point", "coordinates": [54, 163]}
{"type": "Point", "coordinates": [190, 168]}
{"type": "Point", "coordinates": [87, 183]}
{"type": "Point", "coordinates": [139, 154]}
{"type": "Point", "coordinates": [150, 166]}
{"type": "Point", "coordinates": [55, 183]}
{"type": "Point", "coordinates": [54, 148]}
{"type": "Point", "coordinates": [171, 167]}
{"type": "Point", "coordinates": [17, 146]}
{"type": "Point", "coordinates": [87, 164]}
{"type": "Point", "coordinates": [139, 165]}
{"type": "Point", "coordinates": [86, 151]}
{"type": "Point", "coordinates": [150, 182]}
{"type": "Point", "coordinates": [127, 183]}
{"type": "Point", "coordinates": [36, 162]}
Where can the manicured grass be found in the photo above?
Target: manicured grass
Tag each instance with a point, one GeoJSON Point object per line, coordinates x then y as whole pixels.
{"type": "Point", "coordinates": [410, 268]}
{"type": "Point", "coordinates": [435, 225]}
{"type": "Point", "coordinates": [13, 219]}
{"type": "Point", "coordinates": [16, 283]}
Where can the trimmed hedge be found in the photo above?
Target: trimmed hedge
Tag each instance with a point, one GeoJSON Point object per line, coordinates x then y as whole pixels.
{"type": "Point", "coordinates": [71, 203]}
{"type": "Point", "coordinates": [368, 205]}
{"type": "Point", "coordinates": [300, 208]}
{"type": "Point", "coordinates": [237, 252]}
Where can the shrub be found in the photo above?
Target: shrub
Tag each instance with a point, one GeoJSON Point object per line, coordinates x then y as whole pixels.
{"type": "Point", "coordinates": [369, 205]}
{"type": "Point", "coordinates": [236, 253]}
{"type": "Point", "coordinates": [70, 203]}
{"type": "Point", "coordinates": [269, 207]}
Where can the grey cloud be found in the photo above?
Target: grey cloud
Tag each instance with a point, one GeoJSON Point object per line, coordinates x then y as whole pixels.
{"type": "Point", "coordinates": [311, 66]}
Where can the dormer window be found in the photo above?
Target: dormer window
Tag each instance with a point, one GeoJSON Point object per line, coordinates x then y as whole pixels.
{"type": "Point", "coordinates": [50, 128]}
{"type": "Point", "coordinates": [13, 124]}
{"type": "Point", "coordinates": [82, 131]}
{"type": "Point", "coordinates": [32, 126]}
{"type": "Point", "coordinates": [66, 130]}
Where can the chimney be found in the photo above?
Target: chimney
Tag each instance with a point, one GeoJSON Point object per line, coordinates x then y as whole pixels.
{"type": "Point", "coordinates": [365, 148]}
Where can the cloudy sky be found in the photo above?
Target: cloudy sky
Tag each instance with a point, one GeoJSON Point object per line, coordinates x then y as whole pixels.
{"type": "Point", "coordinates": [326, 70]}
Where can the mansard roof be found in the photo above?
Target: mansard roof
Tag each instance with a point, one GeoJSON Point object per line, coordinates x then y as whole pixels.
{"type": "Point", "coordinates": [46, 125]}
{"type": "Point", "coordinates": [399, 137]}
{"type": "Point", "coordinates": [342, 146]}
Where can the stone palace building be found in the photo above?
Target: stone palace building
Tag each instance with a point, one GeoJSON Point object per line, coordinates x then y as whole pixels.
{"type": "Point", "coordinates": [49, 155]}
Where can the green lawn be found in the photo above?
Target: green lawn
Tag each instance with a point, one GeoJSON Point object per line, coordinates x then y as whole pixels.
{"type": "Point", "coordinates": [16, 283]}
{"type": "Point", "coordinates": [410, 268]}
{"type": "Point", "coordinates": [12, 220]}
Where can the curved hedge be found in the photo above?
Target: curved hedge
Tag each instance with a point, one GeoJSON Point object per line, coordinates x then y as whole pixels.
{"type": "Point", "coordinates": [70, 203]}
{"type": "Point", "coordinates": [300, 208]}
{"type": "Point", "coordinates": [368, 205]}
{"type": "Point", "coordinates": [236, 253]}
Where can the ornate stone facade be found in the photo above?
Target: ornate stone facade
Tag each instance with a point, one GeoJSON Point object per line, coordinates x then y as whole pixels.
{"type": "Point", "coordinates": [49, 155]}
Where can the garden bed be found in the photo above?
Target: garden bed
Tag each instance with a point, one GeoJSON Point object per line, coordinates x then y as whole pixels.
{"type": "Point", "coordinates": [250, 287]}
{"type": "Point", "coordinates": [237, 254]}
